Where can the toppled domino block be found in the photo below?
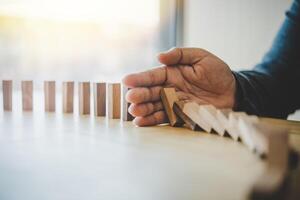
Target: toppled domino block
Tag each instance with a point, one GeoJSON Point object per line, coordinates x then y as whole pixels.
{"type": "Point", "coordinates": [7, 94]}
{"type": "Point", "coordinates": [126, 116]}
{"type": "Point", "coordinates": [84, 98]}
{"type": "Point", "coordinates": [68, 97]}
{"type": "Point", "coordinates": [100, 99]}
{"type": "Point", "coordinates": [209, 113]}
{"type": "Point", "coordinates": [27, 95]}
{"type": "Point", "coordinates": [49, 94]}
{"type": "Point", "coordinates": [178, 109]}
{"type": "Point", "coordinates": [191, 110]}
{"type": "Point", "coordinates": [247, 132]}
{"type": "Point", "coordinates": [273, 180]}
{"type": "Point", "coordinates": [114, 100]}
{"type": "Point", "coordinates": [222, 116]}
{"type": "Point", "coordinates": [169, 97]}
{"type": "Point", "coordinates": [231, 127]}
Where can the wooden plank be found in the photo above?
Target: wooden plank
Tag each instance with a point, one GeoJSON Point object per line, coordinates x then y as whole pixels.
{"type": "Point", "coordinates": [7, 94]}
{"type": "Point", "coordinates": [114, 100]}
{"type": "Point", "coordinates": [68, 96]}
{"type": "Point", "coordinates": [169, 97]}
{"type": "Point", "coordinates": [84, 98]}
{"type": "Point", "coordinates": [126, 116]}
{"type": "Point", "coordinates": [49, 94]}
{"type": "Point", "coordinates": [191, 110]}
{"type": "Point", "coordinates": [209, 113]}
{"type": "Point", "coordinates": [27, 95]}
{"type": "Point", "coordinates": [100, 99]}
{"type": "Point", "coordinates": [178, 109]}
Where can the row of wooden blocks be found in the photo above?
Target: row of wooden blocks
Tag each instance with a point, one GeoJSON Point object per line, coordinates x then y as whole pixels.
{"type": "Point", "coordinates": [225, 122]}
{"type": "Point", "coordinates": [265, 139]}
{"type": "Point", "coordinates": [100, 92]}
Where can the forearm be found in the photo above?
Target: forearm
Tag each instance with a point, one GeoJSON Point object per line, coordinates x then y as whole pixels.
{"type": "Point", "coordinates": [271, 88]}
{"type": "Point", "coordinates": [260, 94]}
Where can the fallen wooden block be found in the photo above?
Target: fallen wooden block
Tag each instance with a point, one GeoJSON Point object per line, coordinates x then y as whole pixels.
{"type": "Point", "coordinates": [114, 100]}
{"type": "Point", "coordinates": [84, 98]}
{"type": "Point", "coordinates": [178, 109]}
{"type": "Point", "coordinates": [271, 183]}
{"type": "Point", "coordinates": [49, 94]}
{"type": "Point", "coordinates": [191, 110]}
{"type": "Point", "coordinates": [7, 94]}
{"type": "Point", "coordinates": [100, 99]}
{"type": "Point", "coordinates": [126, 116]}
{"type": "Point", "coordinates": [68, 97]}
{"type": "Point", "coordinates": [169, 97]}
{"type": "Point", "coordinates": [248, 132]}
{"type": "Point", "coordinates": [209, 113]}
{"type": "Point", "coordinates": [231, 127]}
{"type": "Point", "coordinates": [27, 95]}
{"type": "Point", "coordinates": [223, 117]}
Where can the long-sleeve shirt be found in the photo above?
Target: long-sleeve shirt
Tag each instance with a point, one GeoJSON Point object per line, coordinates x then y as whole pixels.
{"type": "Point", "coordinates": [272, 88]}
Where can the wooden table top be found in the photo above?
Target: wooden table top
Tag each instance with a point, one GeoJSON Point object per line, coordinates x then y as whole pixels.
{"type": "Point", "coordinates": [61, 156]}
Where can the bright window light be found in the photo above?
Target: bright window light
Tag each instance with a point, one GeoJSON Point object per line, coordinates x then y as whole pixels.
{"type": "Point", "coordinates": [77, 40]}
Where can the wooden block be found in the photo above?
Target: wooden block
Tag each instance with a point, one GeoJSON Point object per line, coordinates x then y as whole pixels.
{"type": "Point", "coordinates": [191, 110]}
{"type": "Point", "coordinates": [114, 100]}
{"type": "Point", "coordinates": [27, 95]}
{"type": "Point", "coordinates": [49, 94]}
{"type": "Point", "coordinates": [247, 133]}
{"type": "Point", "coordinates": [209, 113]}
{"type": "Point", "coordinates": [7, 94]}
{"type": "Point", "coordinates": [126, 116]}
{"type": "Point", "coordinates": [168, 97]}
{"type": "Point", "coordinates": [68, 97]}
{"type": "Point", "coordinates": [100, 99]}
{"type": "Point", "coordinates": [84, 98]}
{"type": "Point", "coordinates": [231, 127]}
{"type": "Point", "coordinates": [178, 109]}
{"type": "Point", "coordinates": [223, 117]}
{"type": "Point", "coordinates": [271, 183]}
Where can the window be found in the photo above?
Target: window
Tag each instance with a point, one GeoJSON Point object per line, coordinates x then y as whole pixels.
{"type": "Point", "coordinates": [82, 39]}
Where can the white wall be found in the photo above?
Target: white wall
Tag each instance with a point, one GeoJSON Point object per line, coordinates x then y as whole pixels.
{"type": "Point", "coordinates": [238, 31]}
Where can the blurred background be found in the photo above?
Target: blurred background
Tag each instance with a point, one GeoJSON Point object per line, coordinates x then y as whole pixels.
{"type": "Point", "coordinates": [103, 40]}
{"type": "Point", "coordinates": [82, 39]}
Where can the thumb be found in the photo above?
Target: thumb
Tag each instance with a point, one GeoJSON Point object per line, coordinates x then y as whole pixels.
{"type": "Point", "coordinates": [185, 56]}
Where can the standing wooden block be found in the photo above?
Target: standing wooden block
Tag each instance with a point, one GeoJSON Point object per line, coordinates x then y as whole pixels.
{"type": "Point", "coordinates": [114, 100]}
{"type": "Point", "coordinates": [68, 97]}
{"type": "Point", "coordinates": [169, 97]}
{"type": "Point", "coordinates": [49, 93]}
{"type": "Point", "coordinates": [27, 95]}
{"type": "Point", "coordinates": [126, 116]}
{"type": "Point", "coordinates": [84, 98]}
{"type": "Point", "coordinates": [7, 95]}
{"type": "Point", "coordinates": [100, 99]}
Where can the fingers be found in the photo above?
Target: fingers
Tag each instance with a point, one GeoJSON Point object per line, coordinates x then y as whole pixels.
{"type": "Point", "coordinates": [148, 78]}
{"type": "Point", "coordinates": [156, 118]}
{"type": "Point", "coordinates": [143, 94]}
{"type": "Point", "coordinates": [144, 109]}
{"type": "Point", "coordinates": [185, 56]}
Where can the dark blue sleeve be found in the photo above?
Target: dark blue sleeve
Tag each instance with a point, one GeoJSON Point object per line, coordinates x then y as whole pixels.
{"type": "Point", "coordinates": [272, 88]}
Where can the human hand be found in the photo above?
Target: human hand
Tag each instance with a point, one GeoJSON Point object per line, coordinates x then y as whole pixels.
{"type": "Point", "coordinates": [196, 75]}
